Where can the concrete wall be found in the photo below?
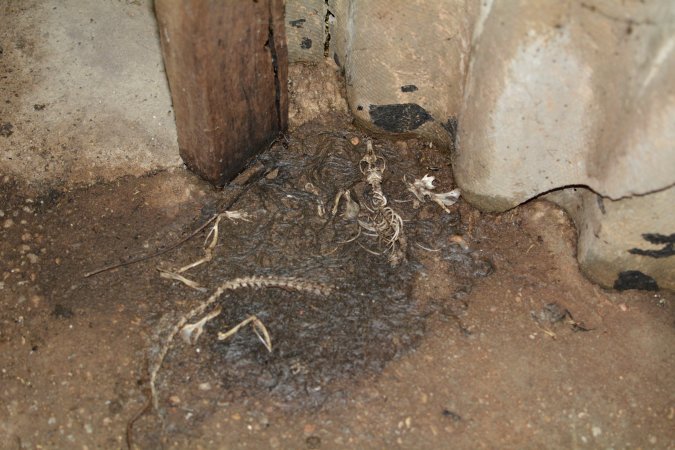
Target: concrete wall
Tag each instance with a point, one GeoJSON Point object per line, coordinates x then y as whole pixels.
{"type": "Point", "coordinates": [568, 94]}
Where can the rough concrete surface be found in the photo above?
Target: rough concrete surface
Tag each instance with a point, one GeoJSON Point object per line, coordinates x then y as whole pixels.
{"type": "Point", "coordinates": [404, 62]}
{"type": "Point", "coordinates": [84, 89]}
{"type": "Point", "coordinates": [305, 30]}
{"type": "Point", "coordinates": [568, 94]}
{"type": "Point", "coordinates": [625, 244]}
{"type": "Point", "coordinates": [544, 96]}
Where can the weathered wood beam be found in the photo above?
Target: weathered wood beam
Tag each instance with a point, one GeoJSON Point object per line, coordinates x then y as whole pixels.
{"type": "Point", "coordinates": [227, 65]}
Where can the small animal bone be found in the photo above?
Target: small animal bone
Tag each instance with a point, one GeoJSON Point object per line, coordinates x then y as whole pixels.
{"type": "Point", "coordinates": [421, 189]}
{"type": "Point", "coordinates": [191, 332]}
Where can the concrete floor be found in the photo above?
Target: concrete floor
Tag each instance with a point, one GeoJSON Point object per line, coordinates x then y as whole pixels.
{"type": "Point", "coordinates": [83, 92]}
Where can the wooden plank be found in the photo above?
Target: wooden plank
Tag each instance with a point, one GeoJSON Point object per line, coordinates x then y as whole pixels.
{"type": "Point", "coordinates": [227, 65]}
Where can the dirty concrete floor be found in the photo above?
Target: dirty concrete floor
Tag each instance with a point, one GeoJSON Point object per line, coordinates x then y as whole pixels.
{"type": "Point", "coordinates": [512, 347]}
{"type": "Point", "coordinates": [83, 93]}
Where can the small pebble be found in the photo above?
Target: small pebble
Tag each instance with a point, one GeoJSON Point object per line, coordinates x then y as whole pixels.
{"type": "Point", "coordinates": [355, 140]}
{"type": "Point", "coordinates": [33, 258]}
{"type": "Point", "coordinates": [597, 431]}
{"type": "Point", "coordinates": [8, 223]}
{"type": "Point", "coordinates": [205, 386]}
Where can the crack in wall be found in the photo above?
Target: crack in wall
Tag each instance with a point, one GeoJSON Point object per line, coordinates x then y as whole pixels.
{"type": "Point", "coordinates": [328, 18]}
{"type": "Point", "coordinates": [275, 66]}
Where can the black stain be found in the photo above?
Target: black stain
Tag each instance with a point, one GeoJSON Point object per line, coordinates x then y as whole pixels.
{"type": "Point", "coordinates": [39, 106]}
{"type": "Point", "coordinates": [336, 58]}
{"type": "Point", "coordinates": [298, 23]}
{"type": "Point", "coordinates": [408, 88]}
{"type": "Point", "coordinates": [359, 108]}
{"type": "Point", "coordinates": [399, 118]}
{"type": "Point", "coordinates": [306, 43]}
{"type": "Point", "coordinates": [450, 126]}
{"type": "Point", "coordinates": [668, 243]}
{"type": "Point", "coordinates": [634, 279]}
{"type": "Point", "coordinates": [6, 129]}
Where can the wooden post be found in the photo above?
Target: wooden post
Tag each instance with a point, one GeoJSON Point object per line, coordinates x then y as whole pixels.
{"type": "Point", "coordinates": [227, 65]}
